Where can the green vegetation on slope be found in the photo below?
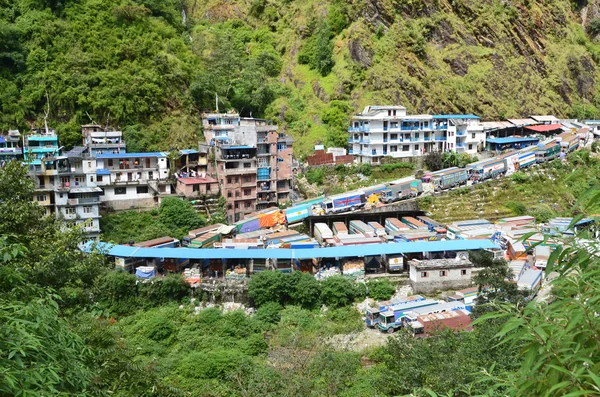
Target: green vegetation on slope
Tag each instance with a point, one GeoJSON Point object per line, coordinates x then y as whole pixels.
{"type": "Point", "coordinates": [149, 67]}
{"type": "Point", "coordinates": [69, 325]}
{"type": "Point", "coordinates": [175, 218]}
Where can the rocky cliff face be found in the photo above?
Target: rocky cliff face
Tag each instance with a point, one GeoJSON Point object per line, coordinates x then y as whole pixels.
{"type": "Point", "coordinates": [497, 59]}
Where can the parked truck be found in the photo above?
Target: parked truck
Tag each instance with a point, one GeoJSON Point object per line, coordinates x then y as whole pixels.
{"type": "Point", "coordinates": [548, 151]}
{"type": "Point", "coordinates": [487, 169]}
{"type": "Point", "coordinates": [372, 313]}
{"type": "Point", "coordinates": [449, 179]}
{"type": "Point", "coordinates": [401, 189]}
{"type": "Point", "coordinates": [322, 232]}
{"type": "Point", "coordinates": [348, 201]}
{"type": "Point", "coordinates": [379, 230]}
{"type": "Point", "coordinates": [390, 319]}
{"type": "Point", "coordinates": [339, 228]}
{"type": "Point", "coordinates": [394, 227]}
{"type": "Point", "coordinates": [359, 227]}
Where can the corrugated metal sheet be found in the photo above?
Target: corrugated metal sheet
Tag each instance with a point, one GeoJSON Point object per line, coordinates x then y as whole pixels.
{"type": "Point", "coordinates": [283, 253]}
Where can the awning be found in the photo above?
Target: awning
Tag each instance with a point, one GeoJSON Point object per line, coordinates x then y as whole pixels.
{"type": "Point", "coordinates": [544, 128]}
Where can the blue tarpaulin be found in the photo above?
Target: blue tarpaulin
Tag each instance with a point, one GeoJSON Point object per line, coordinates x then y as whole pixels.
{"type": "Point", "coordinates": [145, 272]}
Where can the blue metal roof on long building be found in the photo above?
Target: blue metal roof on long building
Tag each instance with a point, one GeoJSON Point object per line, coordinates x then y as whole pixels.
{"type": "Point", "coordinates": [130, 155]}
{"type": "Point", "coordinates": [286, 253]}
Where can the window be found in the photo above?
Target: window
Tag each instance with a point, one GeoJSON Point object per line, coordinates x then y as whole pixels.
{"type": "Point", "coordinates": [237, 194]}
{"type": "Point", "coordinates": [229, 195]}
{"type": "Point", "coordinates": [89, 164]}
{"type": "Point", "coordinates": [247, 165]}
{"type": "Point", "coordinates": [195, 188]}
{"type": "Point", "coordinates": [99, 178]}
{"type": "Point", "coordinates": [416, 147]}
{"type": "Point", "coordinates": [281, 146]}
{"type": "Point", "coordinates": [101, 193]}
{"type": "Point", "coordinates": [405, 148]}
{"type": "Point", "coordinates": [150, 175]}
{"type": "Point", "coordinates": [247, 192]}
{"type": "Point", "coordinates": [424, 274]}
{"type": "Point", "coordinates": [393, 136]}
{"type": "Point", "coordinates": [120, 190]}
{"type": "Point", "coordinates": [207, 187]}
{"type": "Point", "coordinates": [87, 209]}
{"type": "Point", "coordinates": [92, 178]}
{"type": "Point", "coordinates": [228, 206]}
{"type": "Point", "coordinates": [443, 273]}
{"type": "Point", "coordinates": [79, 179]}
{"type": "Point", "coordinates": [394, 112]}
{"type": "Point", "coordinates": [229, 180]}
{"type": "Point", "coordinates": [237, 205]}
{"type": "Point", "coordinates": [236, 180]}
{"type": "Point", "coordinates": [110, 162]}
{"type": "Point", "coordinates": [473, 135]}
{"type": "Point", "coordinates": [470, 146]}
{"type": "Point", "coordinates": [417, 135]}
{"type": "Point", "coordinates": [70, 210]}
{"type": "Point", "coordinates": [41, 197]}
{"type": "Point", "coordinates": [463, 272]}
{"type": "Point", "coordinates": [141, 189]}
{"type": "Point", "coordinates": [247, 179]}
{"type": "Point", "coordinates": [393, 148]}
{"type": "Point", "coordinates": [246, 205]}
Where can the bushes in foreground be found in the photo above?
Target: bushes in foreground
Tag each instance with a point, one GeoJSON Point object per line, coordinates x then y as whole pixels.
{"type": "Point", "coordinates": [303, 290]}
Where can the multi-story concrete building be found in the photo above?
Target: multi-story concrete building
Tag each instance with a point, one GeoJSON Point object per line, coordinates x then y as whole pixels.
{"type": "Point", "coordinates": [76, 196]}
{"type": "Point", "coordinates": [253, 162]}
{"type": "Point", "coordinates": [40, 144]}
{"type": "Point", "coordinates": [237, 173]}
{"type": "Point", "coordinates": [10, 146]}
{"type": "Point", "coordinates": [40, 152]}
{"type": "Point", "coordinates": [102, 141]}
{"type": "Point", "coordinates": [381, 131]}
{"type": "Point", "coordinates": [130, 180]}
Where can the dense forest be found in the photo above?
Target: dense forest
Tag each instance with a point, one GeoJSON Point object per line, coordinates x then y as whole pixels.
{"type": "Point", "coordinates": [70, 325]}
{"type": "Point", "coordinates": [149, 67]}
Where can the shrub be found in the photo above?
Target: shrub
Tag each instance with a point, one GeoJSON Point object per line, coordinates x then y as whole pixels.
{"type": "Point", "coordinates": [365, 169]}
{"type": "Point", "coordinates": [267, 286]}
{"type": "Point", "coordinates": [520, 177]}
{"type": "Point", "coordinates": [304, 290]}
{"type": "Point", "coordinates": [315, 176]}
{"type": "Point", "coordinates": [269, 313]}
{"type": "Point", "coordinates": [337, 291]}
{"type": "Point", "coordinates": [380, 289]}
{"type": "Point", "coordinates": [516, 207]}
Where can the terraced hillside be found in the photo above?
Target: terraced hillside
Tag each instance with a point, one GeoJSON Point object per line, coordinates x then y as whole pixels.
{"type": "Point", "coordinates": [544, 192]}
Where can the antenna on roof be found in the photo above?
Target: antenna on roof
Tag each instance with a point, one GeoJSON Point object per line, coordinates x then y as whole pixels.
{"type": "Point", "coordinates": [90, 117]}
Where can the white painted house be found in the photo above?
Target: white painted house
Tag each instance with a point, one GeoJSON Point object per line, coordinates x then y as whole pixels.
{"type": "Point", "coordinates": [381, 131]}
{"type": "Point", "coordinates": [130, 180]}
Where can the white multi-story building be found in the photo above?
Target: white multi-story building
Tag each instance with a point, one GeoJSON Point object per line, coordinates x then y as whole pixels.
{"type": "Point", "coordinates": [130, 180]}
{"type": "Point", "coordinates": [100, 140]}
{"type": "Point", "coordinates": [381, 131]}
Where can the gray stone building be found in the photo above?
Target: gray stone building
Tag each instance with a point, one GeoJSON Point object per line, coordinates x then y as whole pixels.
{"type": "Point", "coordinates": [427, 276]}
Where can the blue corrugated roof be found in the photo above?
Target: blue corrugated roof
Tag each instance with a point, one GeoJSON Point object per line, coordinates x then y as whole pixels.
{"type": "Point", "coordinates": [307, 253]}
{"type": "Point", "coordinates": [102, 171]}
{"type": "Point", "coordinates": [511, 140]}
{"type": "Point", "coordinates": [130, 155]}
{"type": "Point", "coordinates": [188, 151]}
{"type": "Point", "coordinates": [455, 116]}
{"type": "Point", "coordinates": [238, 147]}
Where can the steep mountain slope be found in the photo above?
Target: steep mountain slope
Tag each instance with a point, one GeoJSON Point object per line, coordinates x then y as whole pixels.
{"type": "Point", "coordinates": [150, 66]}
